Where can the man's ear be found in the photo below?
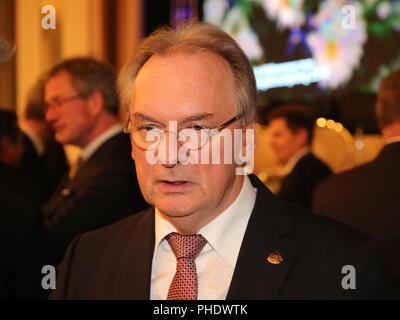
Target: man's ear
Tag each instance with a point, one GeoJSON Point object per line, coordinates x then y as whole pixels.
{"type": "Point", "coordinates": [133, 153]}
{"type": "Point", "coordinates": [95, 102]}
{"type": "Point", "coordinates": [132, 148]}
{"type": "Point", "coordinates": [248, 147]}
{"type": "Point", "coordinates": [302, 136]}
{"type": "Point", "coordinates": [250, 126]}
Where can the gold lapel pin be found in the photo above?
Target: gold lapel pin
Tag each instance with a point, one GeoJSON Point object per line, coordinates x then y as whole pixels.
{"type": "Point", "coordinates": [275, 257]}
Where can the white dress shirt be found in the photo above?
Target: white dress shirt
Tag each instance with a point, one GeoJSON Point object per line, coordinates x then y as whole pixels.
{"type": "Point", "coordinates": [93, 145]}
{"type": "Point", "coordinates": [216, 261]}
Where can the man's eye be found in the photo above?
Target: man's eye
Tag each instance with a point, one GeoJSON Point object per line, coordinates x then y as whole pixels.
{"type": "Point", "coordinates": [146, 128]}
{"type": "Point", "coordinates": [197, 127]}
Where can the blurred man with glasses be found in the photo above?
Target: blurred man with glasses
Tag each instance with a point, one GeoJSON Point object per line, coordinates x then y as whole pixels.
{"type": "Point", "coordinates": [82, 107]}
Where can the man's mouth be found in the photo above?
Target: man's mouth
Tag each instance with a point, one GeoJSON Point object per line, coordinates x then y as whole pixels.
{"type": "Point", "coordinates": [176, 182]}
{"type": "Point", "coordinates": [57, 127]}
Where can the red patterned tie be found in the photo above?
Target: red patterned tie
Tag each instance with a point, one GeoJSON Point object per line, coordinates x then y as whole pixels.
{"type": "Point", "coordinates": [184, 285]}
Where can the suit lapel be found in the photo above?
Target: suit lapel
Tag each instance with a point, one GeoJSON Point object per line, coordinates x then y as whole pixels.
{"type": "Point", "coordinates": [49, 209]}
{"type": "Point", "coordinates": [134, 274]}
{"type": "Point", "coordinates": [67, 189]}
{"type": "Point", "coordinates": [263, 237]}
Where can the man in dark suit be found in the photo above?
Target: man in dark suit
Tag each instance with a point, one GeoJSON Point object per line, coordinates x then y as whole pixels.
{"type": "Point", "coordinates": [19, 224]}
{"type": "Point", "coordinates": [12, 177]}
{"type": "Point", "coordinates": [44, 158]}
{"type": "Point", "coordinates": [292, 129]}
{"type": "Point", "coordinates": [82, 107]}
{"type": "Point", "coordinates": [367, 197]}
{"type": "Point", "coordinates": [213, 233]}
{"type": "Point", "coordinates": [19, 203]}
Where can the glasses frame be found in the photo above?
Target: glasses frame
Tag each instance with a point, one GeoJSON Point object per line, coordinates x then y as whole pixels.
{"type": "Point", "coordinates": [59, 102]}
{"type": "Point", "coordinates": [210, 132]}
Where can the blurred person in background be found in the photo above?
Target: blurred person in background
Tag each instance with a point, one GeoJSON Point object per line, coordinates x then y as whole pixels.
{"type": "Point", "coordinates": [12, 177]}
{"type": "Point", "coordinates": [44, 158]}
{"type": "Point", "coordinates": [81, 105]}
{"type": "Point", "coordinates": [292, 129]}
{"type": "Point", "coordinates": [20, 196]}
{"type": "Point", "coordinates": [367, 197]}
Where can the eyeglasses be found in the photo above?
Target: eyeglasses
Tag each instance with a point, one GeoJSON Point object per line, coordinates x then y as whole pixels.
{"type": "Point", "coordinates": [193, 137]}
{"type": "Point", "coordinates": [58, 102]}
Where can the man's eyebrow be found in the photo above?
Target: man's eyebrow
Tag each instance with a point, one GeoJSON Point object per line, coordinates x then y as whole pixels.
{"type": "Point", "coordinates": [194, 117]}
{"type": "Point", "coordinates": [143, 117]}
{"type": "Point", "coordinates": [54, 97]}
{"type": "Point", "coordinates": [197, 117]}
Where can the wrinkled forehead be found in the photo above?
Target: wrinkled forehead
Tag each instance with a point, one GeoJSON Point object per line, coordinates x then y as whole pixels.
{"type": "Point", "coordinates": [185, 66]}
{"type": "Point", "coordinates": [183, 83]}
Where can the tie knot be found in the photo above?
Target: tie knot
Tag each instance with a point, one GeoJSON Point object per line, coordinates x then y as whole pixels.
{"type": "Point", "coordinates": [74, 168]}
{"type": "Point", "coordinates": [186, 246]}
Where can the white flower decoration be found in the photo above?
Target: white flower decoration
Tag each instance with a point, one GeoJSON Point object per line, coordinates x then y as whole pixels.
{"type": "Point", "coordinates": [334, 45]}
{"type": "Point", "coordinates": [214, 11]}
{"type": "Point", "coordinates": [237, 25]}
{"type": "Point", "coordinates": [288, 13]}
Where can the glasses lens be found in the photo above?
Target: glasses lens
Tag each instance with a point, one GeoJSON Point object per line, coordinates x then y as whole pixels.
{"type": "Point", "coordinates": [147, 138]}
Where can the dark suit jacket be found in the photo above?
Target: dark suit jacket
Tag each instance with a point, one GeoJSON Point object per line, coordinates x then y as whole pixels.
{"type": "Point", "coordinates": [298, 186]}
{"type": "Point", "coordinates": [367, 198]}
{"type": "Point", "coordinates": [19, 220]}
{"type": "Point", "coordinates": [49, 168]}
{"type": "Point", "coordinates": [103, 191]}
{"type": "Point", "coordinates": [55, 161]}
{"type": "Point", "coordinates": [115, 262]}
{"type": "Point", "coordinates": [15, 181]}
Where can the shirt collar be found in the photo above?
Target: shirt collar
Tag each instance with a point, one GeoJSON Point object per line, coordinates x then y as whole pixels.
{"type": "Point", "coordinates": [36, 141]}
{"type": "Point", "coordinates": [93, 145]}
{"type": "Point", "coordinates": [296, 157]}
{"type": "Point", "coordinates": [224, 233]}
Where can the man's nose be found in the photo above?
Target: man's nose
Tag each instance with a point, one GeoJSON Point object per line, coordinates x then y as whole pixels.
{"type": "Point", "coordinates": [168, 149]}
{"type": "Point", "coordinates": [171, 139]}
{"type": "Point", "coordinates": [50, 114]}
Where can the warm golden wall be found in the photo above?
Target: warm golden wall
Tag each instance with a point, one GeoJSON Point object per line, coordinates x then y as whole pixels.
{"type": "Point", "coordinates": [7, 68]}
{"type": "Point", "coordinates": [80, 28]}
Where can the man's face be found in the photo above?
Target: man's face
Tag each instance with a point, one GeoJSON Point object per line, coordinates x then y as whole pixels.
{"type": "Point", "coordinates": [185, 88]}
{"type": "Point", "coordinates": [71, 120]}
{"type": "Point", "coordinates": [284, 142]}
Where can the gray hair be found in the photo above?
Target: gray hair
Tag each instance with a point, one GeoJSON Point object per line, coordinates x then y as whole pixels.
{"type": "Point", "coordinates": [388, 101]}
{"type": "Point", "coordinates": [35, 101]}
{"type": "Point", "coordinates": [194, 37]}
{"type": "Point", "coordinates": [87, 75]}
